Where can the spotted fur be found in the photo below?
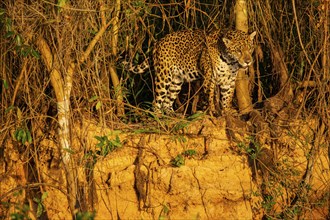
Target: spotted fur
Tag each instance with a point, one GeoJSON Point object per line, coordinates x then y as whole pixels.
{"type": "Point", "coordinates": [185, 56]}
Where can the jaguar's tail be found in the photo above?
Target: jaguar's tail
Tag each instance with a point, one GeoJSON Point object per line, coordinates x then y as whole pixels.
{"type": "Point", "coordinates": [138, 69]}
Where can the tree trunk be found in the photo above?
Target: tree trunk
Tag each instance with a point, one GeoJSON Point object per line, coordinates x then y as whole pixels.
{"type": "Point", "coordinates": [62, 93]}
{"type": "Point", "coordinates": [242, 80]}
{"type": "Point", "coordinates": [62, 87]}
{"type": "Point", "coordinates": [113, 73]}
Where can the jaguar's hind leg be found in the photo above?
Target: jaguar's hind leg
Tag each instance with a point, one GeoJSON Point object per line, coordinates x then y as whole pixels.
{"type": "Point", "coordinates": [161, 90]}
{"type": "Point", "coordinates": [166, 91]}
{"type": "Point", "coordinates": [172, 93]}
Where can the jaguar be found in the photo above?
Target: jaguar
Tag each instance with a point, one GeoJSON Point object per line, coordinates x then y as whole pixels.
{"type": "Point", "coordinates": [188, 55]}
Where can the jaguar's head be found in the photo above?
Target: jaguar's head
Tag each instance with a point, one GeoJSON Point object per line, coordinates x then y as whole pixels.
{"type": "Point", "coordinates": [239, 47]}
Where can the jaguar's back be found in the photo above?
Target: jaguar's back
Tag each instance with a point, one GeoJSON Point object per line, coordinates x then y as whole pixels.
{"type": "Point", "coordinates": [179, 50]}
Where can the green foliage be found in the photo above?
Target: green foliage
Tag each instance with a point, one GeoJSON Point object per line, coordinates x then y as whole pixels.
{"type": "Point", "coordinates": [23, 135]}
{"type": "Point", "coordinates": [69, 150]}
{"type": "Point", "coordinates": [268, 203]}
{"type": "Point", "coordinates": [164, 213]}
{"type": "Point", "coordinates": [98, 104]}
{"type": "Point", "coordinates": [93, 98]}
{"type": "Point", "coordinates": [105, 146]}
{"type": "Point", "coordinates": [196, 116]}
{"type": "Point", "coordinates": [90, 157]}
{"type": "Point", "coordinates": [2, 12]}
{"type": "Point", "coordinates": [139, 6]}
{"type": "Point", "coordinates": [189, 153]}
{"type": "Point", "coordinates": [5, 84]}
{"type": "Point", "coordinates": [183, 124]}
{"type": "Point", "coordinates": [253, 148]}
{"type": "Point", "coordinates": [9, 109]}
{"type": "Point", "coordinates": [21, 212]}
{"type": "Point", "coordinates": [146, 131]}
{"type": "Point", "coordinates": [26, 50]}
{"type": "Point", "coordinates": [10, 33]}
{"type": "Point", "coordinates": [179, 160]}
{"type": "Point", "coordinates": [60, 4]}
{"type": "Point", "coordinates": [180, 126]}
{"type": "Point", "coordinates": [41, 208]}
{"type": "Point", "coordinates": [179, 138]}
{"type": "Point", "coordinates": [85, 215]}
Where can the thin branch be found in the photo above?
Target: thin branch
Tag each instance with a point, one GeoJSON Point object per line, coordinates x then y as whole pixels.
{"type": "Point", "coordinates": [298, 31]}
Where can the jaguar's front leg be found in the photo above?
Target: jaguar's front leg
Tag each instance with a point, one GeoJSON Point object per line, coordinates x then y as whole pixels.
{"type": "Point", "coordinates": [227, 94]}
{"type": "Point", "coordinates": [211, 98]}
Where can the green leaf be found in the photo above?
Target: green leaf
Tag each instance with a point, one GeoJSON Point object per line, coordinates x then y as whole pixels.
{"type": "Point", "coordinates": [99, 138]}
{"type": "Point", "coordinates": [19, 134]}
{"type": "Point", "coordinates": [189, 153]}
{"type": "Point", "coordinates": [8, 24]}
{"type": "Point", "coordinates": [195, 116]}
{"type": "Point", "coordinates": [69, 150]}
{"type": "Point", "coordinates": [9, 34]}
{"type": "Point", "coordinates": [141, 131]}
{"type": "Point", "coordinates": [180, 125]}
{"type": "Point", "coordinates": [178, 161]}
{"type": "Point", "coordinates": [19, 114]}
{"type": "Point", "coordinates": [40, 209]}
{"type": "Point", "coordinates": [182, 139]}
{"type": "Point", "coordinates": [98, 105]}
{"type": "Point", "coordinates": [115, 132]}
{"type": "Point", "coordinates": [5, 84]}
{"type": "Point", "coordinates": [24, 137]}
{"type": "Point", "coordinates": [85, 215]}
{"type": "Point", "coordinates": [35, 54]}
{"type": "Point", "coordinates": [2, 11]}
{"type": "Point", "coordinates": [61, 3]}
{"type": "Point", "coordinates": [25, 50]}
{"type": "Point", "coordinates": [29, 137]}
{"type": "Point", "coordinates": [44, 196]}
{"type": "Point", "coordinates": [92, 31]}
{"type": "Point", "coordinates": [136, 58]}
{"type": "Point", "coordinates": [17, 216]}
{"type": "Point", "coordinates": [18, 40]}
{"type": "Point", "coordinates": [16, 134]}
{"type": "Point", "coordinates": [117, 142]}
{"type": "Point", "coordinates": [100, 145]}
{"type": "Point", "coordinates": [93, 98]}
{"type": "Point", "coordinates": [9, 109]}
{"type": "Point", "coordinates": [36, 200]}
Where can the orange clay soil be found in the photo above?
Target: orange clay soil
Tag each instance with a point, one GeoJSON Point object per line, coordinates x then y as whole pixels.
{"type": "Point", "coordinates": [138, 180]}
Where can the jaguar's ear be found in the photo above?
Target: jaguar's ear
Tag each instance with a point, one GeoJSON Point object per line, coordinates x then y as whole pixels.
{"type": "Point", "coordinates": [226, 41]}
{"type": "Point", "coordinates": [252, 35]}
